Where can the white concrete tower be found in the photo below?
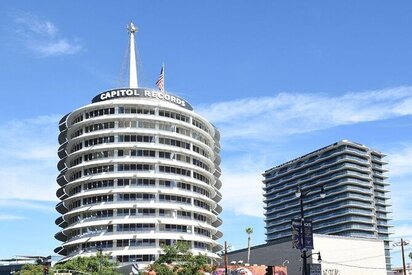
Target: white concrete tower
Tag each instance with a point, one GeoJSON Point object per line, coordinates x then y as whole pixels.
{"type": "Point", "coordinates": [139, 169]}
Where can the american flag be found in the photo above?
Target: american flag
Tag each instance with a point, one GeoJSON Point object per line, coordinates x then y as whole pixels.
{"type": "Point", "coordinates": [160, 83]}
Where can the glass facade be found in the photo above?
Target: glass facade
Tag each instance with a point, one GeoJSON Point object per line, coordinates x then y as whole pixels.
{"type": "Point", "coordinates": [356, 202]}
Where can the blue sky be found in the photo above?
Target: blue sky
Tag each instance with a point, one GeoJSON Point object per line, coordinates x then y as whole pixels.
{"type": "Point", "coordinates": [279, 79]}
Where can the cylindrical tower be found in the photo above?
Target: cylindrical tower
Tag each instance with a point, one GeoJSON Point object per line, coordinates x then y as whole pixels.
{"type": "Point", "coordinates": [139, 169]}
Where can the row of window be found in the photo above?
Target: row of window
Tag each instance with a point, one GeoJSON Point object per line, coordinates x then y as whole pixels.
{"type": "Point", "coordinates": [307, 172]}
{"type": "Point", "coordinates": [136, 212]}
{"type": "Point", "coordinates": [138, 167]}
{"type": "Point", "coordinates": [140, 110]}
{"type": "Point", "coordinates": [135, 138]}
{"type": "Point", "coordinates": [138, 182]}
{"type": "Point", "coordinates": [313, 158]}
{"type": "Point", "coordinates": [139, 153]}
{"type": "Point", "coordinates": [138, 197]}
{"type": "Point", "coordinates": [137, 227]}
{"type": "Point", "coordinates": [273, 187]}
{"type": "Point", "coordinates": [141, 124]}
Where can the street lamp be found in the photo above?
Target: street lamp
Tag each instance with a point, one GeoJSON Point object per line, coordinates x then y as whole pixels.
{"type": "Point", "coordinates": [301, 195]}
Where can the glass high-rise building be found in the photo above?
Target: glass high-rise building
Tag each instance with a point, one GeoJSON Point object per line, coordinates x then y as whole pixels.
{"type": "Point", "coordinates": [356, 202]}
{"type": "Point", "coordinates": [139, 169]}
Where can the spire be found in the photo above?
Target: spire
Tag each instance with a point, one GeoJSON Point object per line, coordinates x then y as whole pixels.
{"type": "Point", "coordinates": [133, 68]}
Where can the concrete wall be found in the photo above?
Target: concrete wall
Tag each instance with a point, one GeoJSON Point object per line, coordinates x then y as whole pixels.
{"type": "Point", "coordinates": [340, 255]}
{"type": "Point", "coordinates": [350, 256]}
{"type": "Point", "coordinates": [279, 253]}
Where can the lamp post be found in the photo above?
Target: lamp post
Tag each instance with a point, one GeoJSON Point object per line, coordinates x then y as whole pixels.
{"type": "Point", "coordinates": [301, 195]}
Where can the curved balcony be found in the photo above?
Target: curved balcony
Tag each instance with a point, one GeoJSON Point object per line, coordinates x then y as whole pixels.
{"type": "Point", "coordinates": [61, 194]}
{"type": "Point", "coordinates": [62, 150]}
{"type": "Point", "coordinates": [61, 165]}
{"type": "Point", "coordinates": [61, 180]}
{"type": "Point", "coordinates": [61, 208]}
{"type": "Point", "coordinates": [62, 137]}
{"type": "Point", "coordinates": [217, 223]}
{"type": "Point", "coordinates": [62, 122]}
{"type": "Point", "coordinates": [60, 236]}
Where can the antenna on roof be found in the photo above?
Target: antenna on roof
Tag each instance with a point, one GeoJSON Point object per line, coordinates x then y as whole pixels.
{"type": "Point", "coordinates": [131, 28]}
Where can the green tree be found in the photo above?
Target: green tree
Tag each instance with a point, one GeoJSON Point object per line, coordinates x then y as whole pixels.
{"type": "Point", "coordinates": [249, 231]}
{"type": "Point", "coordinates": [90, 265]}
{"type": "Point", "coordinates": [177, 259]}
{"type": "Point", "coordinates": [32, 269]}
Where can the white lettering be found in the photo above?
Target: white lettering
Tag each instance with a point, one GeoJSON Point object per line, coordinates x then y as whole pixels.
{"type": "Point", "coordinates": [146, 93]}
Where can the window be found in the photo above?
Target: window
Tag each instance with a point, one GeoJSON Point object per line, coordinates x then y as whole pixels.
{"type": "Point", "coordinates": [142, 153]}
{"type": "Point", "coordinates": [98, 184]}
{"type": "Point", "coordinates": [101, 112]}
{"type": "Point", "coordinates": [98, 170]}
{"type": "Point", "coordinates": [174, 115]}
{"type": "Point", "coordinates": [135, 197]}
{"type": "Point", "coordinates": [175, 199]}
{"type": "Point", "coordinates": [174, 142]}
{"type": "Point", "coordinates": [136, 138]}
{"type": "Point", "coordinates": [135, 167]}
{"type": "Point", "coordinates": [99, 140]}
{"type": "Point", "coordinates": [174, 170]}
{"type": "Point", "coordinates": [135, 227]}
{"type": "Point", "coordinates": [137, 182]}
{"type": "Point", "coordinates": [136, 110]}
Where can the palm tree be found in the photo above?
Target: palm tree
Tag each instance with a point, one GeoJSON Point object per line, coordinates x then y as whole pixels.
{"type": "Point", "coordinates": [249, 231]}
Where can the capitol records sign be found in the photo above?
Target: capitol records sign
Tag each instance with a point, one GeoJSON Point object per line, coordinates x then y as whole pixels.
{"type": "Point", "coordinates": [142, 93]}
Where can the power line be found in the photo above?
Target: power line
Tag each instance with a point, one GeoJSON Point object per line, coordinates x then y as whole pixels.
{"type": "Point", "coordinates": [354, 266]}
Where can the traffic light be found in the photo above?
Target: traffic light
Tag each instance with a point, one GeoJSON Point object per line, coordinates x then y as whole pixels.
{"type": "Point", "coordinates": [45, 270]}
{"type": "Point", "coordinates": [269, 270]}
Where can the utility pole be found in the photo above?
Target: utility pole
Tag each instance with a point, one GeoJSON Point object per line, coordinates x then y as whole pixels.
{"type": "Point", "coordinates": [302, 224]}
{"type": "Point", "coordinates": [403, 258]}
{"type": "Point", "coordinates": [402, 243]}
{"type": "Point", "coordinates": [225, 258]}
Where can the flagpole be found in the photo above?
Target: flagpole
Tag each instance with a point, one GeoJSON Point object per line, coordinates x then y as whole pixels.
{"type": "Point", "coordinates": [164, 82]}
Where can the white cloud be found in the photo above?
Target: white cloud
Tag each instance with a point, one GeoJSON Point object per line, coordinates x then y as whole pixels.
{"type": "Point", "coordinates": [242, 193]}
{"type": "Point", "coordinates": [26, 204]}
{"type": "Point", "coordinates": [291, 113]}
{"type": "Point", "coordinates": [58, 47]}
{"type": "Point", "coordinates": [403, 231]}
{"type": "Point", "coordinates": [251, 125]}
{"type": "Point", "coordinates": [43, 37]}
{"type": "Point", "coordinates": [7, 217]}
{"type": "Point", "coordinates": [400, 161]}
{"type": "Point", "coordinates": [28, 157]}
